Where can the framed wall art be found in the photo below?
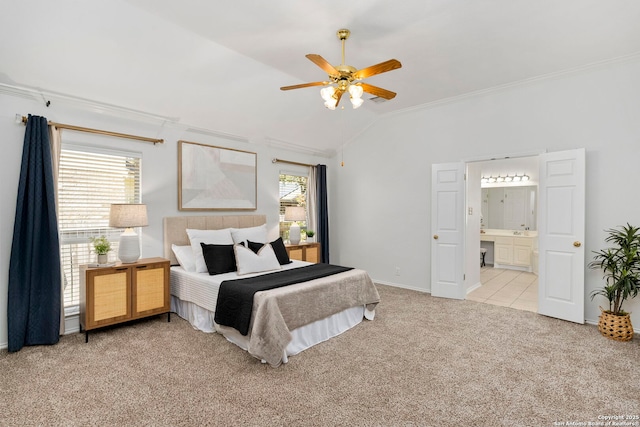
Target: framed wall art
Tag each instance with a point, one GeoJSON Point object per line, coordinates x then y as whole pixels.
{"type": "Point", "coordinates": [215, 178]}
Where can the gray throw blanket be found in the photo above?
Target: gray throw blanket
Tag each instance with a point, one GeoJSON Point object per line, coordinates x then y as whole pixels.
{"type": "Point", "coordinates": [278, 311]}
{"type": "Point", "coordinates": [235, 297]}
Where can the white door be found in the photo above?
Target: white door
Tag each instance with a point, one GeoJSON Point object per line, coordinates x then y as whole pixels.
{"type": "Point", "coordinates": [447, 230]}
{"type": "Point", "coordinates": [561, 235]}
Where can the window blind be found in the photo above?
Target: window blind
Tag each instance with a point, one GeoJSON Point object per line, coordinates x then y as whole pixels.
{"type": "Point", "coordinates": [89, 181]}
{"type": "Point", "coordinates": [293, 192]}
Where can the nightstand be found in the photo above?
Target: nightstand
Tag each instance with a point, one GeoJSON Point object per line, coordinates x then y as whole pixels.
{"type": "Point", "coordinates": [123, 292]}
{"type": "Point", "coordinates": [309, 252]}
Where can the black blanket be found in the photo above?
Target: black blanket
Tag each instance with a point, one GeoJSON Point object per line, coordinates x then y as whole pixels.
{"type": "Point", "coordinates": [235, 297]}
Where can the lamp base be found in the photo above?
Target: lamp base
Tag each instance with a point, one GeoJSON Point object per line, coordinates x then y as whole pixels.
{"type": "Point", "coordinates": [129, 248]}
{"type": "Point", "coordinates": [294, 234]}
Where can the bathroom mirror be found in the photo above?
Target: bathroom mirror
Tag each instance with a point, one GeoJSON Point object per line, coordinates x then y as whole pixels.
{"type": "Point", "coordinates": [509, 208]}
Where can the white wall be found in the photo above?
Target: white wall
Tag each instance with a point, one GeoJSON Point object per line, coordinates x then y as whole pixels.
{"type": "Point", "coordinates": [382, 203]}
{"type": "Point", "coordinates": [159, 170]}
{"type": "Point", "coordinates": [472, 220]}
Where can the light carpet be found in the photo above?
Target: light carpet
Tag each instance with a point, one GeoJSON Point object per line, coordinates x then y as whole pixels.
{"type": "Point", "coordinates": [423, 361]}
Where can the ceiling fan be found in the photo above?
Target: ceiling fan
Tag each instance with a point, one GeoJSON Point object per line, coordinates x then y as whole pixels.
{"type": "Point", "coordinates": [345, 78]}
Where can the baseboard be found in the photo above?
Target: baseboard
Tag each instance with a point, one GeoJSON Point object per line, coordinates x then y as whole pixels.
{"type": "Point", "coordinates": [399, 285]}
{"type": "Point", "coordinates": [72, 324]}
{"type": "Point", "coordinates": [473, 288]}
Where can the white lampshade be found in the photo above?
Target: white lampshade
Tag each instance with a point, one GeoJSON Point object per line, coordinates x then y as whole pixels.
{"type": "Point", "coordinates": [356, 102]}
{"type": "Point", "coordinates": [294, 213]}
{"type": "Point", "coordinates": [128, 216]}
{"type": "Point", "coordinates": [329, 100]}
{"type": "Point", "coordinates": [355, 91]}
{"type": "Point", "coordinates": [327, 92]}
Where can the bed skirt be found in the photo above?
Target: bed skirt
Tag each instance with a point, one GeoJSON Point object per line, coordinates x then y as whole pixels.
{"type": "Point", "coordinates": [303, 337]}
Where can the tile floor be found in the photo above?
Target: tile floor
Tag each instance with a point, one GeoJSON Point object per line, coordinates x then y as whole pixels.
{"type": "Point", "coordinates": [509, 288]}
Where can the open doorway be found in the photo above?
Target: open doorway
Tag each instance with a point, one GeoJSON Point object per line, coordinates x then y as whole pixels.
{"type": "Point", "coordinates": [507, 252]}
{"type": "Point", "coordinates": [455, 227]}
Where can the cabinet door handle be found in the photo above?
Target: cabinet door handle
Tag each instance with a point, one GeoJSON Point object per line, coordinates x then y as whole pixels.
{"type": "Point", "coordinates": [435, 236]}
{"type": "Point", "coordinates": [121, 269]}
{"type": "Point", "coordinates": [577, 244]}
{"type": "Point", "coordinates": [141, 266]}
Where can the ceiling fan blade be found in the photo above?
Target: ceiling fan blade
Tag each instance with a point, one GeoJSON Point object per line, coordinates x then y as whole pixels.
{"type": "Point", "coordinates": [323, 63]}
{"type": "Point", "coordinates": [300, 86]}
{"type": "Point", "coordinates": [338, 96]}
{"type": "Point", "coordinates": [382, 67]}
{"type": "Point", "coordinates": [378, 91]}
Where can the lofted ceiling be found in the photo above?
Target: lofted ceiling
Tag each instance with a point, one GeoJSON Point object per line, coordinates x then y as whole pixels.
{"type": "Point", "coordinates": [219, 65]}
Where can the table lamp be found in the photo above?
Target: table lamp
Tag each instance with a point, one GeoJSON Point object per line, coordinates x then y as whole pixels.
{"type": "Point", "coordinates": [128, 216]}
{"type": "Point", "coordinates": [294, 213]}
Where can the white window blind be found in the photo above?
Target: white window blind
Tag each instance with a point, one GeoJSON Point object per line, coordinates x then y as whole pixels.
{"type": "Point", "coordinates": [293, 192]}
{"type": "Point", "coordinates": [89, 181]}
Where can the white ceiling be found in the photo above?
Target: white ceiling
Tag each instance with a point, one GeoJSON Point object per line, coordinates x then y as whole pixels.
{"type": "Point", "coordinates": [219, 65]}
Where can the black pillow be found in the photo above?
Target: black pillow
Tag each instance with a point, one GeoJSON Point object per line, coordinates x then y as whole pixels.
{"type": "Point", "coordinates": [254, 246]}
{"type": "Point", "coordinates": [278, 248]}
{"type": "Point", "coordinates": [219, 258]}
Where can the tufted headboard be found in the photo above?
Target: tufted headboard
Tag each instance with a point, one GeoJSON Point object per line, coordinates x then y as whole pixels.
{"type": "Point", "coordinates": [175, 228]}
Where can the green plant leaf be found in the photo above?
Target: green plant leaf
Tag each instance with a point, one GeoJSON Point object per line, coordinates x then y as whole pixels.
{"type": "Point", "coordinates": [620, 264]}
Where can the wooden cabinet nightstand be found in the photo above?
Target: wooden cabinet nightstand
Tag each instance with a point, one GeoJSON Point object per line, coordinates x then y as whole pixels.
{"type": "Point", "coordinates": [309, 252]}
{"type": "Point", "coordinates": [112, 295]}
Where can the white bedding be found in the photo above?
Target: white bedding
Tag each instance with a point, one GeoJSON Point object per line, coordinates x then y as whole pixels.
{"type": "Point", "coordinates": [202, 289]}
{"type": "Point", "coordinates": [194, 297]}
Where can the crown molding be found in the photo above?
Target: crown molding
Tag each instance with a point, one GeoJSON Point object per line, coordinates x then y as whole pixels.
{"type": "Point", "coordinates": [520, 83]}
{"type": "Point", "coordinates": [47, 96]}
{"type": "Point", "coordinates": [289, 146]}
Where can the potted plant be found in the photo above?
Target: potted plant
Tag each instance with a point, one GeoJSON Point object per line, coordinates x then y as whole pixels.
{"type": "Point", "coordinates": [310, 234]}
{"type": "Point", "coordinates": [621, 266]}
{"type": "Point", "coordinates": [101, 246]}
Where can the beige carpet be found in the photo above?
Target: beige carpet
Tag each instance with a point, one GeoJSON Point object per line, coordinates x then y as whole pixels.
{"type": "Point", "coordinates": [422, 362]}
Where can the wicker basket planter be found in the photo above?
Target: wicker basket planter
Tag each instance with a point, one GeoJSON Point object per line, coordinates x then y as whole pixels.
{"type": "Point", "coordinates": [616, 327]}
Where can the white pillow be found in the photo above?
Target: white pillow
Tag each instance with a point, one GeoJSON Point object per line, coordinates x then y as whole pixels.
{"type": "Point", "coordinates": [210, 237]}
{"type": "Point", "coordinates": [255, 234]}
{"type": "Point", "coordinates": [249, 262]}
{"type": "Point", "coordinates": [184, 255]}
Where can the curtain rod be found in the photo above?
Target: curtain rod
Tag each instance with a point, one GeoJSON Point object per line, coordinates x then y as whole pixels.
{"type": "Point", "coordinates": [276, 160]}
{"type": "Point", "coordinates": [101, 132]}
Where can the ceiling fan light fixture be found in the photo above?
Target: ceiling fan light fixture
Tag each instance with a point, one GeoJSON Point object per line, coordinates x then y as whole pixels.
{"type": "Point", "coordinates": [355, 91]}
{"type": "Point", "coordinates": [331, 103]}
{"type": "Point", "coordinates": [356, 102]}
{"type": "Point", "coordinates": [327, 93]}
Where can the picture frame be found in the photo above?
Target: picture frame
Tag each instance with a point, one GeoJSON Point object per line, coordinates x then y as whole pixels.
{"type": "Point", "coordinates": [216, 178]}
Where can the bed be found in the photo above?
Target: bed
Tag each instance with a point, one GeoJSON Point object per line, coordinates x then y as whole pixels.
{"type": "Point", "coordinates": [285, 320]}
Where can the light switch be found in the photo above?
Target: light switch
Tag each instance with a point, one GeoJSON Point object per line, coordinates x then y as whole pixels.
{"type": "Point", "coordinates": [470, 210]}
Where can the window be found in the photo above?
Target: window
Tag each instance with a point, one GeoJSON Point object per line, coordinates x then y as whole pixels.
{"type": "Point", "coordinates": [89, 181]}
{"type": "Point", "coordinates": [293, 192]}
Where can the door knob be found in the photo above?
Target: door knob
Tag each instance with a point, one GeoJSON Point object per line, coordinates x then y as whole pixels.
{"type": "Point", "coordinates": [577, 244]}
{"type": "Point", "coordinates": [435, 236]}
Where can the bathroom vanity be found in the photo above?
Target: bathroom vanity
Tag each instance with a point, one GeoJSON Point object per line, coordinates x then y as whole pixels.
{"type": "Point", "coordinates": [512, 249]}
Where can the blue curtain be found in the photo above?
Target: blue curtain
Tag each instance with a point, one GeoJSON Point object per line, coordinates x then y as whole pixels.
{"type": "Point", "coordinates": [34, 270]}
{"type": "Point", "coordinates": [323, 212]}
